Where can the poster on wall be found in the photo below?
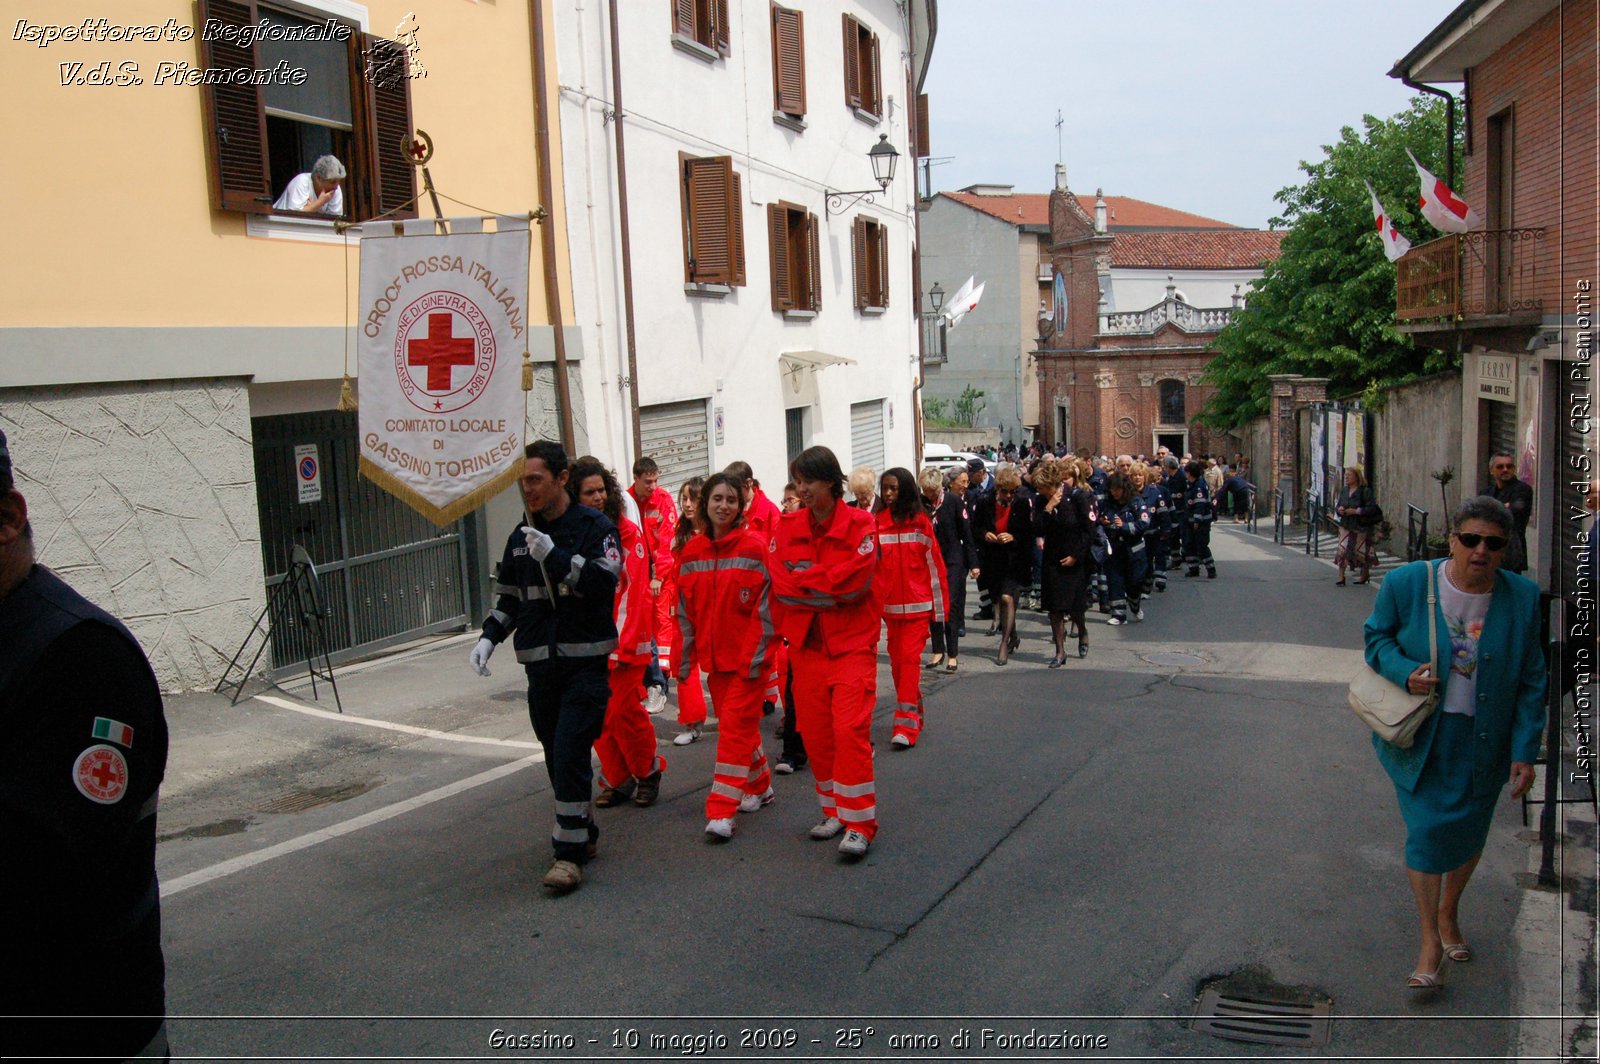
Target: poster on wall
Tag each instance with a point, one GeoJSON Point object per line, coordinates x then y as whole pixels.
{"type": "Point", "coordinates": [1528, 429]}
{"type": "Point", "coordinates": [442, 330]}
{"type": "Point", "coordinates": [1355, 440]}
{"type": "Point", "coordinates": [1334, 480]}
{"type": "Point", "coordinates": [1319, 426]}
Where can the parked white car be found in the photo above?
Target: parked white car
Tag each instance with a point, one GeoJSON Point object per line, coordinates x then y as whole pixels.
{"type": "Point", "coordinates": [941, 457]}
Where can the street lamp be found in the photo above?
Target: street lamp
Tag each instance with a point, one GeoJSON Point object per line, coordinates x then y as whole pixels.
{"type": "Point", "coordinates": [883, 158]}
{"type": "Point", "coordinates": [936, 298]}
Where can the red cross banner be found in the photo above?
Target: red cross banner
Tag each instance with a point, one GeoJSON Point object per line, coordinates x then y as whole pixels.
{"type": "Point", "coordinates": [443, 326]}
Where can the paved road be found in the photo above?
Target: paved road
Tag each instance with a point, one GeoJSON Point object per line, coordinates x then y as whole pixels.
{"type": "Point", "coordinates": [1069, 851]}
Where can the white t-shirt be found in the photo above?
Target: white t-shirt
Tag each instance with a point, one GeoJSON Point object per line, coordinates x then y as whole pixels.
{"type": "Point", "coordinates": [300, 193]}
{"type": "Point", "coordinates": [1463, 618]}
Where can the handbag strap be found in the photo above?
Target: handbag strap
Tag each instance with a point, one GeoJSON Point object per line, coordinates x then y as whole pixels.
{"type": "Point", "coordinates": [1433, 625]}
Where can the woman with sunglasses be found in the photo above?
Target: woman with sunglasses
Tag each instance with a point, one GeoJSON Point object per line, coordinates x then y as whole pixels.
{"type": "Point", "coordinates": [1486, 728]}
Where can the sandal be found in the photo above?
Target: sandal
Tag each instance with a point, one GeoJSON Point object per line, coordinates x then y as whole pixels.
{"type": "Point", "coordinates": [1459, 952]}
{"type": "Point", "coordinates": [1425, 980]}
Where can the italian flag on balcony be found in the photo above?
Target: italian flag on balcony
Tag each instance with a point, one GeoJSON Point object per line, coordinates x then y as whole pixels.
{"type": "Point", "coordinates": [1444, 210]}
{"type": "Point", "coordinates": [1394, 244]}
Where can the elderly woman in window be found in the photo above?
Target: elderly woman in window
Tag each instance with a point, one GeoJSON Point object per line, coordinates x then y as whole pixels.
{"type": "Point", "coordinates": [318, 192]}
{"type": "Point", "coordinates": [1486, 728]}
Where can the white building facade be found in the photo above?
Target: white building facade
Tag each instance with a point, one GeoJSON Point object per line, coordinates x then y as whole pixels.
{"type": "Point", "coordinates": [766, 315]}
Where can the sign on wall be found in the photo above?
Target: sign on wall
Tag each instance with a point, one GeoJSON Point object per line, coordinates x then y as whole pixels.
{"type": "Point", "coordinates": [308, 472]}
{"type": "Point", "coordinates": [1497, 378]}
{"type": "Point", "coordinates": [443, 329]}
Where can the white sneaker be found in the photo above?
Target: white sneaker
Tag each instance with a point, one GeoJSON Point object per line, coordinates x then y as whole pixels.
{"type": "Point", "coordinates": [899, 740]}
{"type": "Point", "coordinates": [751, 802]}
{"type": "Point", "coordinates": [687, 736]}
{"type": "Point", "coordinates": [721, 828]}
{"type": "Point", "coordinates": [1138, 614]}
{"type": "Point", "coordinates": [783, 768]}
{"type": "Point", "coordinates": [1116, 620]}
{"type": "Point", "coordinates": [828, 828]}
{"type": "Point", "coordinates": [655, 701]}
{"type": "Point", "coordinates": [854, 844]}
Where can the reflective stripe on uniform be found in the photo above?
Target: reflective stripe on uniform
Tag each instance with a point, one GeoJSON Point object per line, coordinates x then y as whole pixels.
{"type": "Point", "coordinates": [854, 790]}
{"type": "Point", "coordinates": [502, 590]}
{"type": "Point", "coordinates": [857, 816]}
{"type": "Point", "coordinates": [722, 768]}
{"type": "Point", "coordinates": [727, 790]}
{"type": "Point", "coordinates": [568, 650]}
{"type": "Point", "coordinates": [908, 607]}
{"type": "Point", "coordinates": [561, 834]}
{"type": "Point", "coordinates": [503, 618]}
{"type": "Point", "coordinates": [892, 538]}
{"type": "Point", "coordinates": [719, 564]}
{"type": "Point", "coordinates": [572, 809]}
{"type": "Point", "coordinates": [764, 612]}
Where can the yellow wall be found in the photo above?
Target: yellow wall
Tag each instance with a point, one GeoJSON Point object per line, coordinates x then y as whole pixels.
{"type": "Point", "coordinates": [111, 222]}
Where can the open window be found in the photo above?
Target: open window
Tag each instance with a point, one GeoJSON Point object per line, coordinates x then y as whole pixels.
{"type": "Point", "coordinates": [713, 220]}
{"type": "Point", "coordinates": [863, 83]}
{"type": "Point", "coordinates": [869, 247]}
{"type": "Point", "coordinates": [704, 22]}
{"type": "Point", "coordinates": [265, 126]}
{"type": "Point", "coordinates": [796, 258]}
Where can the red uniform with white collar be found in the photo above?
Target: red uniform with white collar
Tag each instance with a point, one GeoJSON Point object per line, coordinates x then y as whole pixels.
{"type": "Point", "coordinates": [911, 572]}
{"type": "Point", "coordinates": [660, 520]}
{"type": "Point", "coordinates": [830, 613]}
{"type": "Point", "coordinates": [627, 744]}
{"type": "Point", "coordinates": [725, 615]}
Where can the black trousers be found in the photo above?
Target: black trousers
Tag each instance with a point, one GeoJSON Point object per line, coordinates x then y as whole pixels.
{"type": "Point", "coordinates": [946, 633]}
{"type": "Point", "coordinates": [794, 747]}
{"type": "Point", "coordinates": [567, 703]}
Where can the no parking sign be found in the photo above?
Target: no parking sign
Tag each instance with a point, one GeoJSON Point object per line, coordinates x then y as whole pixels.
{"type": "Point", "coordinates": [308, 472]}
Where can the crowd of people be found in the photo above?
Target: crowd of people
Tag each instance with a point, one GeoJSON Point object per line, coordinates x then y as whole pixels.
{"type": "Point", "coordinates": [780, 606]}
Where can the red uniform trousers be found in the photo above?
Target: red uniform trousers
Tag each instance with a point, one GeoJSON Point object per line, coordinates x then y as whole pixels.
{"type": "Point", "coordinates": [741, 766]}
{"type": "Point", "coordinates": [665, 622]}
{"type": "Point", "coordinates": [834, 698]}
{"type": "Point", "coordinates": [691, 697]}
{"type": "Point", "coordinates": [627, 743]}
{"type": "Point", "coordinates": [907, 638]}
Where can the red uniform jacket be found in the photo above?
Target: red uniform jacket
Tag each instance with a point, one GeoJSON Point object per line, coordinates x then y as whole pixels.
{"type": "Point", "coordinates": [633, 599]}
{"type": "Point", "coordinates": [762, 515]}
{"type": "Point", "coordinates": [660, 519]}
{"type": "Point", "coordinates": [910, 567]}
{"type": "Point", "coordinates": [824, 582]}
{"type": "Point", "coordinates": [724, 605]}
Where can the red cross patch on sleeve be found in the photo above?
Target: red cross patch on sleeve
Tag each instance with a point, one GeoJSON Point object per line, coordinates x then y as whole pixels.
{"type": "Point", "coordinates": [101, 774]}
{"type": "Point", "coordinates": [866, 545]}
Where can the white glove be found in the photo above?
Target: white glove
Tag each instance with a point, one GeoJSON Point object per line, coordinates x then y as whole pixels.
{"type": "Point", "coordinates": [539, 544]}
{"type": "Point", "coordinates": [480, 656]}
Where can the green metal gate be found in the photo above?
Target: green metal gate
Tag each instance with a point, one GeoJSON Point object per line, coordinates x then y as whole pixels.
{"type": "Point", "coordinates": [387, 574]}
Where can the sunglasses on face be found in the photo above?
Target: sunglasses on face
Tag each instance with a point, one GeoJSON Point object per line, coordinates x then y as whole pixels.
{"type": "Point", "coordinates": [1470, 540]}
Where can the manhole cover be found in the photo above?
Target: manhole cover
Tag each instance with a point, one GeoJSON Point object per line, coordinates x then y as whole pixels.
{"type": "Point", "coordinates": [1243, 1018]}
{"type": "Point", "coordinates": [310, 798]}
{"type": "Point", "coordinates": [1173, 658]}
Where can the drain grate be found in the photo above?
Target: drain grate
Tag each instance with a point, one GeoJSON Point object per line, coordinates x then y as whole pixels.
{"type": "Point", "coordinates": [309, 798]}
{"type": "Point", "coordinates": [1241, 1018]}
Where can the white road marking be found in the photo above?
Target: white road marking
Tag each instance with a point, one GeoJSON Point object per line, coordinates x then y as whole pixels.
{"type": "Point", "coordinates": [333, 831]}
{"type": "Point", "coordinates": [408, 729]}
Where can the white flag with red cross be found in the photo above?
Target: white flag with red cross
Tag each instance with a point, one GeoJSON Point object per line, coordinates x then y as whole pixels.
{"type": "Point", "coordinates": [963, 302]}
{"type": "Point", "coordinates": [1444, 210]}
{"type": "Point", "coordinates": [441, 334]}
{"type": "Point", "coordinates": [1394, 244]}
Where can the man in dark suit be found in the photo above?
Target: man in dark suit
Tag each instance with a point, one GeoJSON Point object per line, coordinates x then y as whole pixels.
{"type": "Point", "coordinates": [1517, 497]}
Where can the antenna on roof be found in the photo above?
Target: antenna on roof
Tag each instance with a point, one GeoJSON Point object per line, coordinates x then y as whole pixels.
{"type": "Point", "coordinates": [1060, 158]}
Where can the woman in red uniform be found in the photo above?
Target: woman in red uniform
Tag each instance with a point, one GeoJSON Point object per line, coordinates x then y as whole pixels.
{"type": "Point", "coordinates": [691, 699]}
{"type": "Point", "coordinates": [910, 570]}
{"type": "Point", "coordinates": [629, 764]}
{"type": "Point", "coordinates": [822, 563]}
{"type": "Point", "coordinates": [724, 614]}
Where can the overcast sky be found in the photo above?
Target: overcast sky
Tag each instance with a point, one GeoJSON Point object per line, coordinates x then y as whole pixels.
{"type": "Point", "coordinates": [1204, 105]}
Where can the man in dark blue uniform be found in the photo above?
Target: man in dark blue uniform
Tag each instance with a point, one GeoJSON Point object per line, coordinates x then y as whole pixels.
{"type": "Point", "coordinates": [83, 747]}
{"type": "Point", "coordinates": [557, 585]}
{"type": "Point", "coordinates": [1199, 511]}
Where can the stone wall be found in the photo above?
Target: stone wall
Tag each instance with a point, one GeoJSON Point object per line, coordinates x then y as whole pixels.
{"type": "Point", "coordinates": [1416, 430]}
{"type": "Point", "coordinates": [143, 498]}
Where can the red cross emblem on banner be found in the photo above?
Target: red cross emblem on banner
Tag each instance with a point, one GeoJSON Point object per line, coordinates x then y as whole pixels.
{"type": "Point", "coordinates": [440, 351]}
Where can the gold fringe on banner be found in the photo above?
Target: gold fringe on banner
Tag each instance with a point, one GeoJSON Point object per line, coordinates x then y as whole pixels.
{"type": "Point", "coordinates": [527, 372]}
{"type": "Point", "coordinates": [347, 397]}
{"type": "Point", "coordinates": [449, 514]}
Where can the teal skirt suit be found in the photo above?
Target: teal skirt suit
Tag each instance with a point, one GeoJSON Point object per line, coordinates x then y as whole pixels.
{"type": "Point", "coordinates": [1448, 782]}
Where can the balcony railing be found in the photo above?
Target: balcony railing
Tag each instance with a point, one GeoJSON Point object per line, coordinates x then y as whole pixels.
{"type": "Point", "coordinates": [1468, 275]}
{"type": "Point", "coordinates": [1151, 321]}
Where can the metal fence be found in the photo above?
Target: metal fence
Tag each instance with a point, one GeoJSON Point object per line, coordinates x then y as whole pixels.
{"type": "Point", "coordinates": [1416, 532]}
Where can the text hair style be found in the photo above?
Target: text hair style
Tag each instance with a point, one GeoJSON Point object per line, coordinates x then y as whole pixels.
{"type": "Point", "coordinates": [551, 453]}
{"type": "Point", "coordinates": [687, 526]}
{"type": "Point", "coordinates": [644, 465]}
{"type": "Point", "coordinates": [587, 467]}
{"type": "Point", "coordinates": [1482, 508]}
{"type": "Point", "coordinates": [818, 463]}
{"type": "Point", "coordinates": [741, 471]}
{"type": "Point", "coordinates": [713, 481]}
{"type": "Point", "coordinates": [907, 503]}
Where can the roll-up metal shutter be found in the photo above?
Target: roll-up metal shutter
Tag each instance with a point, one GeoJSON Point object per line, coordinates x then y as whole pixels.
{"type": "Point", "coordinates": [675, 435]}
{"type": "Point", "coordinates": [1502, 430]}
{"type": "Point", "coordinates": [866, 435]}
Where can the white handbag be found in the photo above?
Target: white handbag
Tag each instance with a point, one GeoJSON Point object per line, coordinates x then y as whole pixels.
{"type": "Point", "coordinates": [1392, 712]}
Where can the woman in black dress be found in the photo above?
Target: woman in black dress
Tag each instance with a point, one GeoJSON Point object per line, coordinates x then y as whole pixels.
{"type": "Point", "coordinates": [1002, 523]}
{"type": "Point", "coordinates": [952, 530]}
{"type": "Point", "coordinates": [1066, 523]}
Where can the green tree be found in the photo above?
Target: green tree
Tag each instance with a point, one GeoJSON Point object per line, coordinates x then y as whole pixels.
{"type": "Point", "coordinates": [1325, 306]}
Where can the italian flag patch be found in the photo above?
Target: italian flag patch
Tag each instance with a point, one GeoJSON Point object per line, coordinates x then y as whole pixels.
{"type": "Point", "coordinates": [113, 730]}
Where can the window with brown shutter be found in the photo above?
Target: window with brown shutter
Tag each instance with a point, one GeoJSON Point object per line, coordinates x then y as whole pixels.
{"type": "Point", "coordinates": [869, 253]}
{"type": "Point", "coordinates": [354, 104]}
{"type": "Point", "coordinates": [713, 221]}
{"type": "Point", "coordinates": [922, 127]}
{"type": "Point", "coordinates": [788, 62]}
{"type": "Point", "coordinates": [795, 256]}
{"type": "Point", "coordinates": [705, 22]}
{"type": "Point", "coordinates": [863, 86]}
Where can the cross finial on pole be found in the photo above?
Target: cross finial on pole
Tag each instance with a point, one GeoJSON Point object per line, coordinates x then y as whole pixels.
{"type": "Point", "coordinates": [1059, 157]}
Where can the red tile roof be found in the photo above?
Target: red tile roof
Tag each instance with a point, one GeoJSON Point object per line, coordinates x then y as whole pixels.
{"type": "Point", "coordinates": [1122, 212]}
{"type": "Point", "coordinates": [1216, 249]}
